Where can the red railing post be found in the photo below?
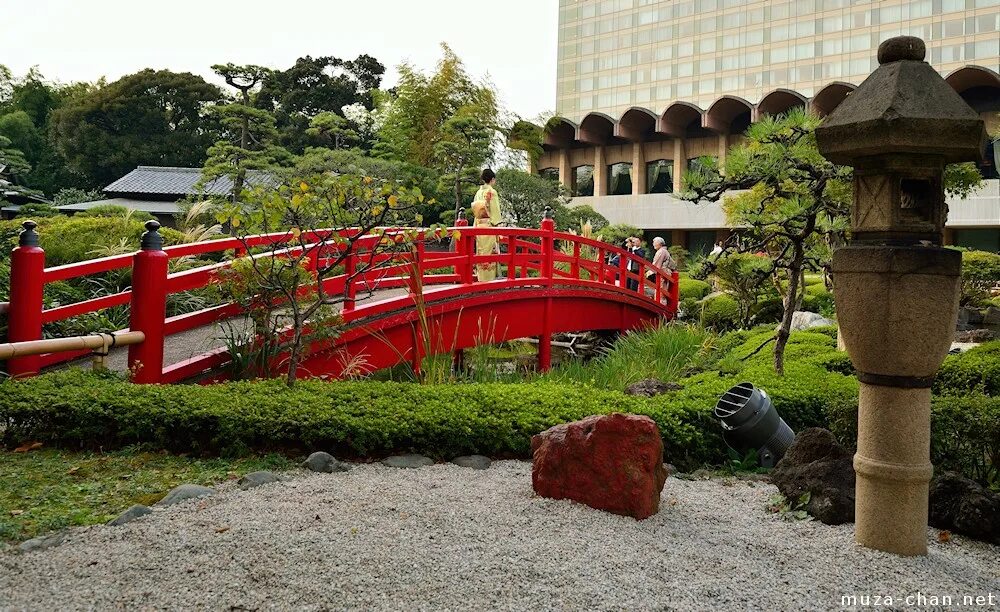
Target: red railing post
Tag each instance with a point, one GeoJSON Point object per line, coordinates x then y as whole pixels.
{"type": "Point", "coordinates": [27, 284]}
{"type": "Point", "coordinates": [548, 268]}
{"type": "Point", "coordinates": [350, 270]}
{"type": "Point", "coordinates": [148, 309]}
{"type": "Point", "coordinates": [511, 256]}
{"type": "Point", "coordinates": [574, 267]}
{"type": "Point", "coordinates": [464, 246]}
{"type": "Point", "coordinates": [623, 270]}
{"type": "Point", "coordinates": [675, 293]}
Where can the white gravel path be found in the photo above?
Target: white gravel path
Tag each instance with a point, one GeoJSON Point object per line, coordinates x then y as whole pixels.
{"type": "Point", "coordinates": [445, 537]}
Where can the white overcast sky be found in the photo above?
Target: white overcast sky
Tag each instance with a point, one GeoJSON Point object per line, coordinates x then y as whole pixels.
{"type": "Point", "coordinates": [514, 41]}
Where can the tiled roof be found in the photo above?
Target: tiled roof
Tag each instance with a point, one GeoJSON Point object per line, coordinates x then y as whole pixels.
{"type": "Point", "coordinates": [177, 182]}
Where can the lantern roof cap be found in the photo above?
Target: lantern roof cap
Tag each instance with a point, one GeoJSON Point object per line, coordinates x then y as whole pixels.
{"type": "Point", "coordinates": [905, 106]}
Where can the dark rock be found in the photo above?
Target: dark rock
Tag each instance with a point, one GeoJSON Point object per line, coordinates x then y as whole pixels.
{"type": "Point", "coordinates": [671, 470]}
{"type": "Point", "coordinates": [650, 387]}
{"type": "Point", "coordinates": [184, 492]}
{"type": "Point", "coordinates": [324, 462]}
{"type": "Point", "coordinates": [42, 542]}
{"type": "Point", "coordinates": [991, 316]}
{"type": "Point", "coordinates": [476, 462]}
{"type": "Point", "coordinates": [975, 335]}
{"type": "Point", "coordinates": [964, 506]}
{"type": "Point", "coordinates": [971, 316]}
{"type": "Point", "coordinates": [609, 462]}
{"type": "Point", "coordinates": [131, 514]}
{"type": "Point", "coordinates": [408, 461]}
{"type": "Point", "coordinates": [818, 464]}
{"type": "Point", "coordinates": [256, 479]}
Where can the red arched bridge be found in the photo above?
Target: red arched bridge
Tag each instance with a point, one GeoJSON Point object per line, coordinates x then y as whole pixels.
{"type": "Point", "coordinates": [554, 282]}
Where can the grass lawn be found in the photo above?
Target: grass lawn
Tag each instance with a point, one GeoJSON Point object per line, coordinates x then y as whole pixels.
{"type": "Point", "coordinates": [46, 490]}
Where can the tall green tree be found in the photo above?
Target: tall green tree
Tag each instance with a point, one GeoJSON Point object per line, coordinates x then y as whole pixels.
{"type": "Point", "coordinates": [313, 86]}
{"type": "Point", "coordinates": [414, 119]}
{"type": "Point", "coordinates": [334, 129]}
{"type": "Point", "coordinates": [462, 150]}
{"type": "Point", "coordinates": [790, 202]}
{"type": "Point", "coordinates": [12, 166]}
{"type": "Point", "coordinates": [153, 117]}
{"type": "Point", "coordinates": [525, 197]}
{"type": "Point", "coordinates": [249, 133]}
{"type": "Point", "coordinates": [26, 108]}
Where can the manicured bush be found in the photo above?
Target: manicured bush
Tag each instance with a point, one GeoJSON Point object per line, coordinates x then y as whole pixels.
{"type": "Point", "coordinates": [818, 301]}
{"type": "Point", "coordinates": [720, 313]}
{"type": "Point", "coordinates": [74, 408]}
{"type": "Point", "coordinates": [74, 239]}
{"type": "Point", "coordinates": [693, 288]}
{"type": "Point", "coordinates": [77, 409]}
{"type": "Point", "coordinates": [114, 211]}
{"type": "Point", "coordinates": [975, 371]}
{"type": "Point", "coordinates": [980, 273]}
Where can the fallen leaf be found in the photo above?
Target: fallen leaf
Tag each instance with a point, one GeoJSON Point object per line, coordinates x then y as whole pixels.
{"type": "Point", "coordinates": [73, 470]}
{"type": "Point", "coordinates": [944, 536]}
{"type": "Point", "coordinates": [672, 501]}
{"type": "Point", "coordinates": [16, 512]}
{"type": "Point", "coordinates": [222, 529]}
{"type": "Point", "coordinates": [28, 446]}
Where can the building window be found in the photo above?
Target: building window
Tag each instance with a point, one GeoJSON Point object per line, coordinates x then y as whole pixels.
{"type": "Point", "coordinates": [620, 179]}
{"type": "Point", "coordinates": [551, 174]}
{"type": "Point", "coordinates": [583, 181]}
{"type": "Point", "coordinates": [990, 168]}
{"type": "Point", "coordinates": [660, 176]}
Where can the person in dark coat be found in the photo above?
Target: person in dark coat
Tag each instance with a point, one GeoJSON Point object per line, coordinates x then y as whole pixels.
{"type": "Point", "coordinates": [636, 249]}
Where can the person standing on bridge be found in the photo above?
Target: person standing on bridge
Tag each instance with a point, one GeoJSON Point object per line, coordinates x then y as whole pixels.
{"type": "Point", "coordinates": [486, 208]}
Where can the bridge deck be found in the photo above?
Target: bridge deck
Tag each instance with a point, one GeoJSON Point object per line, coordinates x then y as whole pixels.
{"type": "Point", "coordinates": [198, 341]}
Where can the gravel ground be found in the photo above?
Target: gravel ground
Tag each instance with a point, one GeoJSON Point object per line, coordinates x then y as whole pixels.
{"type": "Point", "coordinates": [446, 537]}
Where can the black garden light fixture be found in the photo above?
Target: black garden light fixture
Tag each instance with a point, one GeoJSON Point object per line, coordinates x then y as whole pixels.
{"type": "Point", "coordinates": [750, 422]}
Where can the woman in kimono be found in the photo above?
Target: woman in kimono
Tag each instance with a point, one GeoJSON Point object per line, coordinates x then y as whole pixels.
{"type": "Point", "coordinates": [486, 208]}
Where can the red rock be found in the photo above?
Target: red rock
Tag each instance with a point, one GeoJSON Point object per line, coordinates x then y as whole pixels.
{"type": "Point", "coordinates": [609, 462]}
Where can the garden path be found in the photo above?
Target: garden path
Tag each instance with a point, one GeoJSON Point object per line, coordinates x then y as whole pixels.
{"type": "Point", "coordinates": [445, 537]}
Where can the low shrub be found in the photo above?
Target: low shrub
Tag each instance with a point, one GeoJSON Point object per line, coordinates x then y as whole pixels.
{"type": "Point", "coordinates": [819, 302]}
{"type": "Point", "coordinates": [115, 211]}
{"type": "Point", "coordinates": [78, 409]}
{"type": "Point", "coordinates": [75, 408]}
{"type": "Point", "coordinates": [720, 313]}
{"type": "Point", "coordinates": [980, 273]}
{"type": "Point", "coordinates": [73, 239]}
{"type": "Point", "coordinates": [975, 371]}
{"type": "Point", "coordinates": [692, 288]}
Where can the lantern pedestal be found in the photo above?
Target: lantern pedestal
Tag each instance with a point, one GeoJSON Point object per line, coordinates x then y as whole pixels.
{"type": "Point", "coordinates": [897, 308]}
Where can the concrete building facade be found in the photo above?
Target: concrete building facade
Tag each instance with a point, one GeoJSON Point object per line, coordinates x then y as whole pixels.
{"type": "Point", "coordinates": [646, 87]}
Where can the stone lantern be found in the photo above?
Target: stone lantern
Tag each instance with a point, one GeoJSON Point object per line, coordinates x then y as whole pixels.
{"type": "Point", "coordinates": [896, 288]}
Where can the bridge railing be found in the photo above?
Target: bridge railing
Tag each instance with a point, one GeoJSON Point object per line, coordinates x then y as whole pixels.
{"type": "Point", "coordinates": [529, 257]}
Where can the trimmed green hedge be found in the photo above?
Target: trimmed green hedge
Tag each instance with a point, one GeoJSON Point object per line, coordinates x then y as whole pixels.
{"type": "Point", "coordinates": [693, 288]}
{"type": "Point", "coordinates": [366, 418]}
{"type": "Point", "coordinates": [975, 371]}
{"type": "Point", "coordinates": [354, 418]}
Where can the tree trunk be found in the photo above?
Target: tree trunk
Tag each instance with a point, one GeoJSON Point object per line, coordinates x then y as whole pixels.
{"type": "Point", "coordinates": [240, 177]}
{"type": "Point", "coordinates": [789, 301]}
{"type": "Point", "coordinates": [293, 354]}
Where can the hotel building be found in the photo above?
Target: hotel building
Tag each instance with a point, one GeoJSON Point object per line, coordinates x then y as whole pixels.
{"type": "Point", "coordinates": [646, 87]}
